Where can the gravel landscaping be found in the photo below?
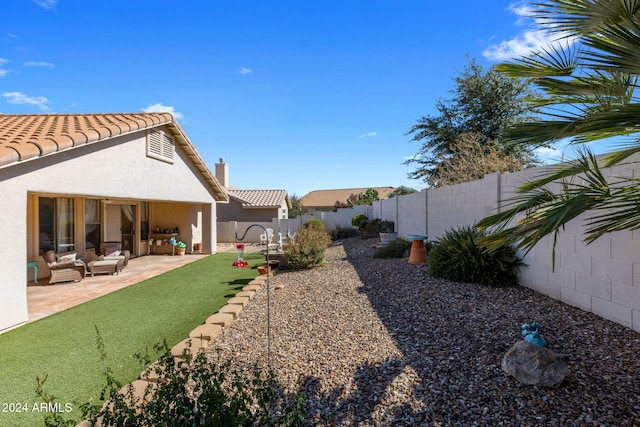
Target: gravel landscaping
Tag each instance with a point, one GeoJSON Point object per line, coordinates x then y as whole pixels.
{"type": "Point", "coordinates": [375, 342]}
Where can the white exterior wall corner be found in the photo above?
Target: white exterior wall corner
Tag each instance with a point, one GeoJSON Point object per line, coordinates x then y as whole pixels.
{"type": "Point", "coordinates": [13, 286]}
{"type": "Point", "coordinates": [118, 168]}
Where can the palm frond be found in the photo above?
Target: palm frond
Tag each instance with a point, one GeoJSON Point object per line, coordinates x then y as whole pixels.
{"type": "Point", "coordinates": [545, 212]}
{"type": "Point", "coordinates": [554, 60]}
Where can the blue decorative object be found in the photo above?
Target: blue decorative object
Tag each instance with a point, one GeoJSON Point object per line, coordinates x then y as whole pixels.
{"type": "Point", "coordinates": [417, 237]}
{"type": "Point", "coordinates": [531, 334]}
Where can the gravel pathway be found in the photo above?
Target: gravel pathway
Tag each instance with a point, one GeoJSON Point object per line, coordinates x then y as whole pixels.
{"type": "Point", "coordinates": [376, 342]}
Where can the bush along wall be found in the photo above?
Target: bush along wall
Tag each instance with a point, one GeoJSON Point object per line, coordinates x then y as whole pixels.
{"type": "Point", "coordinates": [457, 256]}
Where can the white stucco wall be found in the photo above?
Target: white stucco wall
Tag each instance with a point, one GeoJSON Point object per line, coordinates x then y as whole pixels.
{"type": "Point", "coordinates": [118, 168]}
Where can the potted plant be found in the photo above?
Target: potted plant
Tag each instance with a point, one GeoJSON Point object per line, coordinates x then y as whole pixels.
{"type": "Point", "coordinates": [181, 247]}
{"type": "Point", "coordinates": [386, 233]}
{"type": "Point", "coordinates": [382, 228]}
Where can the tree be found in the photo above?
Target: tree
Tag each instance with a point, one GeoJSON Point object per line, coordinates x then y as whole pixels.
{"type": "Point", "coordinates": [366, 198]}
{"type": "Point", "coordinates": [473, 160]}
{"type": "Point", "coordinates": [588, 79]}
{"type": "Point", "coordinates": [485, 103]}
{"type": "Point", "coordinates": [296, 208]}
{"type": "Point", "coordinates": [401, 191]}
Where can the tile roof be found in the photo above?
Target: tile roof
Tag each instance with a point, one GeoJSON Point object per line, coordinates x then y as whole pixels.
{"type": "Point", "coordinates": [29, 136]}
{"type": "Point", "coordinates": [328, 198]}
{"type": "Point", "coordinates": [260, 198]}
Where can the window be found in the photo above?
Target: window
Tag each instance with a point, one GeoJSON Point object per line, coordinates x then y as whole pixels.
{"type": "Point", "coordinates": [144, 221]}
{"type": "Point", "coordinates": [160, 145]}
{"type": "Point", "coordinates": [92, 223]}
{"type": "Point", "coordinates": [56, 225]}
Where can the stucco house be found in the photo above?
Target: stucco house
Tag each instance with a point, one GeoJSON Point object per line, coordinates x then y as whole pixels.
{"type": "Point", "coordinates": [325, 200]}
{"type": "Point", "coordinates": [72, 181]}
{"type": "Point", "coordinates": [250, 205]}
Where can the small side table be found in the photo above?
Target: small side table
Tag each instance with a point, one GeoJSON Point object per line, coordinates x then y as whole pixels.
{"type": "Point", "coordinates": [418, 253]}
{"type": "Point", "coordinates": [33, 264]}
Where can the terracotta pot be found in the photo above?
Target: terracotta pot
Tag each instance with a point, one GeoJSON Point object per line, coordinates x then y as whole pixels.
{"type": "Point", "coordinates": [263, 270]}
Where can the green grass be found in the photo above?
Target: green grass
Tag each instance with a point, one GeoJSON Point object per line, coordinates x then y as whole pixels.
{"type": "Point", "coordinates": [131, 320]}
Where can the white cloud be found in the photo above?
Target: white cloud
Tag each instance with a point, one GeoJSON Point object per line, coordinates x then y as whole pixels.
{"type": "Point", "coordinates": [368, 135]}
{"type": "Point", "coordinates": [3, 72]}
{"type": "Point", "coordinates": [20, 98]}
{"type": "Point", "coordinates": [245, 70]}
{"type": "Point", "coordinates": [160, 108]}
{"type": "Point", "coordinates": [555, 154]}
{"type": "Point", "coordinates": [38, 64]}
{"type": "Point", "coordinates": [530, 39]}
{"type": "Point", "coordinates": [523, 44]}
{"type": "Point", "coordinates": [416, 156]}
{"type": "Point", "coordinates": [46, 4]}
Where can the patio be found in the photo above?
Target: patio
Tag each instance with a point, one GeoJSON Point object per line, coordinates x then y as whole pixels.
{"type": "Point", "coordinates": [44, 300]}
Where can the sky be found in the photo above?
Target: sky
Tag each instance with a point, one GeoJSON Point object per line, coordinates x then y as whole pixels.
{"type": "Point", "coordinates": [299, 95]}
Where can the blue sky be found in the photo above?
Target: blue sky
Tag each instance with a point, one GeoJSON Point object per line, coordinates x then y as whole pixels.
{"type": "Point", "coordinates": [297, 95]}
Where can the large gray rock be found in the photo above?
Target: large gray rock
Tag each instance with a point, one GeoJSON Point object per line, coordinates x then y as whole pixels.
{"type": "Point", "coordinates": [534, 365]}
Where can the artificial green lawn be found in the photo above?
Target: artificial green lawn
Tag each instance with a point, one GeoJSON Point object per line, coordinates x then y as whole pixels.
{"type": "Point", "coordinates": [131, 320]}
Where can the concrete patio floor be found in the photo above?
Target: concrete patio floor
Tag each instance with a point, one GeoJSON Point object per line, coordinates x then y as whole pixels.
{"type": "Point", "coordinates": [44, 300]}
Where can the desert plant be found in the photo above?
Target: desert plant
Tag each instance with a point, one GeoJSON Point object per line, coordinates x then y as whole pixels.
{"type": "Point", "coordinates": [457, 256]}
{"type": "Point", "coordinates": [198, 392]}
{"type": "Point", "coordinates": [342, 232]}
{"type": "Point", "coordinates": [360, 221]}
{"type": "Point", "coordinates": [396, 249]}
{"type": "Point", "coordinates": [314, 223]}
{"type": "Point", "coordinates": [308, 248]}
{"type": "Point", "coordinates": [376, 226]}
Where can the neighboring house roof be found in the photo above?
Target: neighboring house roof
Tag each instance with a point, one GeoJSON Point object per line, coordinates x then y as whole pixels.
{"type": "Point", "coordinates": [260, 199]}
{"type": "Point", "coordinates": [328, 198]}
{"type": "Point", "coordinates": [26, 137]}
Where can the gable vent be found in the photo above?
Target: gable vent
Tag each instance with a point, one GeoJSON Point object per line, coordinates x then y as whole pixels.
{"type": "Point", "coordinates": [160, 145]}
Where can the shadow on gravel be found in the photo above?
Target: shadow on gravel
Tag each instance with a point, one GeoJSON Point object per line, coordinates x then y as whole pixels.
{"type": "Point", "coordinates": [452, 337]}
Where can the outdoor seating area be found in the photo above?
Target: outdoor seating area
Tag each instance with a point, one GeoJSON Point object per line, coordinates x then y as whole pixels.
{"type": "Point", "coordinates": [64, 267]}
{"type": "Point", "coordinates": [46, 300]}
{"type": "Point", "coordinates": [69, 267]}
{"type": "Point", "coordinates": [107, 266]}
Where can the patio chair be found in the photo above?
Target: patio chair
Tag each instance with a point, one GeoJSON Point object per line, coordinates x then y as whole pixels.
{"type": "Point", "coordinates": [266, 238]}
{"type": "Point", "coordinates": [64, 267]}
{"type": "Point", "coordinates": [113, 251]}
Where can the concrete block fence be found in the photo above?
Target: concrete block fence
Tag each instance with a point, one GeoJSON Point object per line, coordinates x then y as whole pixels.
{"type": "Point", "coordinates": [603, 277]}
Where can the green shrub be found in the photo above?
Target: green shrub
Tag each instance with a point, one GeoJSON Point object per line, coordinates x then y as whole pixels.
{"type": "Point", "coordinates": [197, 392]}
{"type": "Point", "coordinates": [458, 257]}
{"type": "Point", "coordinates": [360, 221]}
{"type": "Point", "coordinates": [340, 232]}
{"type": "Point", "coordinates": [314, 223]}
{"type": "Point", "coordinates": [376, 226]}
{"type": "Point", "coordinates": [308, 249]}
{"type": "Point", "coordinates": [396, 249]}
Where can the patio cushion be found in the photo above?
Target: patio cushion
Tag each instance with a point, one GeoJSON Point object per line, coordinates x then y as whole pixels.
{"type": "Point", "coordinates": [50, 257]}
{"type": "Point", "coordinates": [111, 249]}
{"type": "Point", "coordinates": [70, 256]}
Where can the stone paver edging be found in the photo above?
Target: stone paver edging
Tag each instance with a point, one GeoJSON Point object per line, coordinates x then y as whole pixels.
{"type": "Point", "coordinates": [200, 338]}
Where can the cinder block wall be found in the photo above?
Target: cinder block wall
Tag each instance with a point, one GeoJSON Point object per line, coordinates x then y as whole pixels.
{"type": "Point", "coordinates": [603, 277]}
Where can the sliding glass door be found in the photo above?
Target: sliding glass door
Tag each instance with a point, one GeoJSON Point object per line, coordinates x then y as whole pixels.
{"type": "Point", "coordinates": [56, 224]}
